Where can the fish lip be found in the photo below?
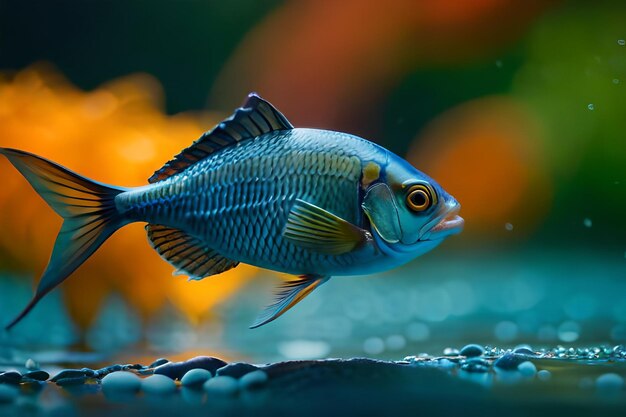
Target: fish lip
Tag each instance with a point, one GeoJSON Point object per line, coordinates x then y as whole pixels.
{"type": "Point", "coordinates": [446, 224]}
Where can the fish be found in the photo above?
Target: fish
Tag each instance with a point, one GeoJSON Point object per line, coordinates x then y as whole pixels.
{"type": "Point", "coordinates": [256, 190]}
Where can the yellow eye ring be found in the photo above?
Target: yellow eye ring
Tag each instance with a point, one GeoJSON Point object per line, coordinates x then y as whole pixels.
{"type": "Point", "coordinates": [418, 198]}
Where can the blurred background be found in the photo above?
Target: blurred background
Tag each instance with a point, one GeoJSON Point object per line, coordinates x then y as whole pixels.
{"type": "Point", "coordinates": [516, 107]}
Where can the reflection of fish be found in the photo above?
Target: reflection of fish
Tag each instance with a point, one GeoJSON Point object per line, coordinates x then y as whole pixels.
{"type": "Point", "coordinates": [255, 189]}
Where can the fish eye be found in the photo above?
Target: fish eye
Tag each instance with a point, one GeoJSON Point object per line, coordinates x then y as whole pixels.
{"type": "Point", "coordinates": [419, 198]}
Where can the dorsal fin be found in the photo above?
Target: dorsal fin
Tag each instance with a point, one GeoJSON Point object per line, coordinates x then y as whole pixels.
{"type": "Point", "coordinates": [255, 118]}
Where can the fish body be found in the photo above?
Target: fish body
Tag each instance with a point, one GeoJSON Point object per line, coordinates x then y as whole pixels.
{"type": "Point", "coordinates": [256, 190]}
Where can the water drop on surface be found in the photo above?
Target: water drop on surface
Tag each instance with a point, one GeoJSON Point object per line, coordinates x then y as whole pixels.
{"type": "Point", "coordinates": [621, 42]}
{"type": "Point", "coordinates": [615, 80]}
{"type": "Point", "coordinates": [587, 222]}
{"type": "Point", "coordinates": [590, 106]}
{"type": "Point", "coordinates": [499, 63]}
{"type": "Point", "coordinates": [508, 226]}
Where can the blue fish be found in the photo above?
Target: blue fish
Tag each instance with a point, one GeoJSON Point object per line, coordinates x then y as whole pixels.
{"type": "Point", "coordinates": [307, 202]}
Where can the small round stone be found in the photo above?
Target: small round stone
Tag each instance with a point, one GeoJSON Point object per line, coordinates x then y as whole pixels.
{"type": "Point", "coordinates": [37, 375]}
{"type": "Point", "coordinates": [236, 370]}
{"type": "Point", "coordinates": [472, 350]}
{"type": "Point", "coordinates": [524, 350]}
{"type": "Point", "coordinates": [609, 382]}
{"type": "Point", "coordinates": [508, 362]}
{"type": "Point", "coordinates": [475, 365]}
{"type": "Point", "coordinates": [121, 381]}
{"type": "Point", "coordinates": [195, 378]}
{"type": "Point", "coordinates": [544, 375]}
{"type": "Point", "coordinates": [68, 373]}
{"type": "Point", "coordinates": [158, 362]}
{"type": "Point", "coordinates": [10, 377]}
{"type": "Point", "coordinates": [222, 385]}
{"type": "Point", "coordinates": [31, 364]}
{"type": "Point", "coordinates": [8, 393]}
{"type": "Point", "coordinates": [527, 368]}
{"type": "Point", "coordinates": [450, 352]}
{"type": "Point", "coordinates": [176, 370]}
{"type": "Point", "coordinates": [158, 385]}
{"type": "Point", "coordinates": [66, 382]}
{"type": "Point", "coordinates": [254, 379]}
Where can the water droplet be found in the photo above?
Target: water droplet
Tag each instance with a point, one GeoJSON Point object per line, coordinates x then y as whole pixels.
{"type": "Point", "coordinates": [621, 42]}
{"type": "Point", "coordinates": [590, 106]}
{"type": "Point", "coordinates": [499, 63]}
{"type": "Point", "coordinates": [587, 222]}
{"type": "Point", "coordinates": [508, 226]}
{"type": "Point", "coordinates": [615, 80]}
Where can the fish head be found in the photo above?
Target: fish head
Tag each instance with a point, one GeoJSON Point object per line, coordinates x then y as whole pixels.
{"type": "Point", "coordinates": [408, 211]}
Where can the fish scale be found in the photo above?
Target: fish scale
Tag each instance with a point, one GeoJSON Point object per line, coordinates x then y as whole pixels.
{"type": "Point", "coordinates": [248, 192]}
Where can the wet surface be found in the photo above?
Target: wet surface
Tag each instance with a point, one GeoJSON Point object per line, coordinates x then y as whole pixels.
{"type": "Point", "coordinates": [483, 380]}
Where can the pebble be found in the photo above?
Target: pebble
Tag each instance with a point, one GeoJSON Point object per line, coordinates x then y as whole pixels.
{"type": "Point", "coordinates": [121, 381]}
{"type": "Point", "coordinates": [609, 383]}
{"type": "Point", "coordinates": [37, 375]}
{"type": "Point", "coordinates": [192, 396]}
{"type": "Point", "coordinates": [176, 370]}
{"type": "Point", "coordinates": [31, 365]}
{"type": "Point", "coordinates": [524, 350]}
{"type": "Point", "coordinates": [158, 385]}
{"type": "Point", "coordinates": [450, 352]}
{"type": "Point", "coordinates": [544, 375]}
{"type": "Point", "coordinates": [472, 350]}
{"type": "Point", "coordinates": [69, 373]}
{"type": "Point", "coordinates": [195, 377]}
{"type": "Point", "coordinates": [158, 362]}
{"type": "Point", "coordinates": [236, 370]}
{"type": "Point", "coordinates": [527, 368]}
{"type": "Point", "coordinates": [254, 379]}
{"type": "Point", "coordinates": [8, 393]}
{"type": "Point", "coordinates": [66, 382]}
{"type": "Point", "coordinates": [102, 372]}
{"type": "Point", "coordinates": [10, 377]}
{"type": "Point", "coordinates": [222, 385]}
{"type": "Point", "coordinates": [475, 365]}
{"type": "Point", "coordinates": [509, 362]}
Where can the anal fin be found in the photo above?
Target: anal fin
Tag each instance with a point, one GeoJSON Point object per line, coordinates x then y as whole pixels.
{"type": "Point", "coordinates": [290, 294]}
{"type": "Point", "coordinates": [186, 253]}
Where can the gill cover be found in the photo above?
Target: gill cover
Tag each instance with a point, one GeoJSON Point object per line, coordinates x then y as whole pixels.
{"type": "Point", "coordinates": [379, 204]}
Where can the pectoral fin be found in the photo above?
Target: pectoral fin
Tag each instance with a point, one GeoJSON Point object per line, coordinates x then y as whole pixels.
{"type": "Point", "coordinates": [314, 228]}
{"type": "Point", "coordinates": [290, 294]}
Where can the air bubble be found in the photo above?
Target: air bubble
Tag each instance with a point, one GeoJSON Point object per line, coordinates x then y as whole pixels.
{"type": "Point", "coordinates": [590, 106]}
{"type": "Point", "coordinates": [621, 42]}
{"type": "Point", "coordinates": [587, 222]}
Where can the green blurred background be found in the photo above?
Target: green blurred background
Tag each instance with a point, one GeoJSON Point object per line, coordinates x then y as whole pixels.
{"type": "Point", "coordinates": [515, 107]}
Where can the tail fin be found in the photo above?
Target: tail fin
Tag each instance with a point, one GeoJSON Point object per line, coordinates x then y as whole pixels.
{"type": "Point", "coordinates": [89, 216]}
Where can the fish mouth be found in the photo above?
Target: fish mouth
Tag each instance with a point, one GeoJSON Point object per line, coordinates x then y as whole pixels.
{"type": "Point", "coordinates": [449, 223]}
